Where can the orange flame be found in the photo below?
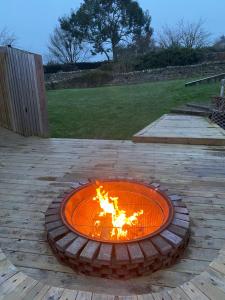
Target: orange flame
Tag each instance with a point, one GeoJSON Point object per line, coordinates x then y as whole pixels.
{"type": "Point", "coordinates": [109, 205]}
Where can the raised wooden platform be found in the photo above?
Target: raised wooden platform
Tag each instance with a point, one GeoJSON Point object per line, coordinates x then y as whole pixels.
{"type": "Point", "coordinates": [182, 129]}
{"type": "Point", "coordinates": [35, 171]}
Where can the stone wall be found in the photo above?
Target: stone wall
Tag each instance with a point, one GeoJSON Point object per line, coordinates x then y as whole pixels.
{"type": "Point", "coordinates": [168, 73]}
{"type": "Point", "coordinates": [59, 80]}
{"type": "Point", "coordinates": [62, 76]}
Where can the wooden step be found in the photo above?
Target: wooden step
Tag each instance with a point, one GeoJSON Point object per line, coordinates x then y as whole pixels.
{"type": "Point", "coordinates": [182, 129]}
{"type": "Point", "coordinates": [204, 107]}
{"type": "Point", "coordinates": [185, 110]}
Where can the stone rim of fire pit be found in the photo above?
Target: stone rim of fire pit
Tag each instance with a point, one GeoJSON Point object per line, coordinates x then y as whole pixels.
{"type": "Point", "coordinates": [118, 260]}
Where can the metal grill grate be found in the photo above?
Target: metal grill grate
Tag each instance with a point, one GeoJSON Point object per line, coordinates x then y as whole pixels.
{"type": "Point", "coordinates": [141, 211]}
{"type": "Point", "coordinates": [150, 221]}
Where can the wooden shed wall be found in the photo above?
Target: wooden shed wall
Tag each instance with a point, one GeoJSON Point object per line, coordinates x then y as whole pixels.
{"type": "Point", "coordinates": [23, 106]}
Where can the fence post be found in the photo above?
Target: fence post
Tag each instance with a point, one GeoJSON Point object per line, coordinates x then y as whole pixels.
{"type": "Point", "coordinates": [222, 88]}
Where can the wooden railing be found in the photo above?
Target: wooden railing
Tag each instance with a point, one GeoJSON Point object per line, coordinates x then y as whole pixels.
{"type": "Point", "coordinates": [23, 106]}
{"type": "Point", "coordinates": [208, 79]}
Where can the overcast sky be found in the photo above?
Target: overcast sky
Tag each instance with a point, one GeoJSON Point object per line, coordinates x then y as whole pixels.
{"type": "Point", "coordinates": [33, 20]}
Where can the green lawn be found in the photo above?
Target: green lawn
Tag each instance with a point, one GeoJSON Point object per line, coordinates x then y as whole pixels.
{"type": "Point", "coordinates": [118, 112]}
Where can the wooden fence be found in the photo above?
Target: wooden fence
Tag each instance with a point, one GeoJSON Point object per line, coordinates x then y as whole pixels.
{"type": "Point", "coordinates": [23, 107]}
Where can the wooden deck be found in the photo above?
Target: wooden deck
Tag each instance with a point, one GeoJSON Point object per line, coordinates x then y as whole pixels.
{"type": "Point", "coordinates": [34, 171]}
{"type": "Point", "coordinates": [182, 129]}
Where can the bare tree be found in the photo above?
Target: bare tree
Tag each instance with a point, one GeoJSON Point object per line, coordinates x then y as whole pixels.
{"type": "Point", "coordinates": [184, 34]}
{"type": "Point", "coordinates": [193, 35]}
{"type": "Point", "coordinates": [66, 48]}
{"type": "Point", "coordinates": [7, 37]}
{"type": "Point", "coordinates": [169, 37]}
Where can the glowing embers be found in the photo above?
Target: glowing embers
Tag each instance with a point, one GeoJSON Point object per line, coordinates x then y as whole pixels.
{"type": "Point", "coordinates": [117, 211]}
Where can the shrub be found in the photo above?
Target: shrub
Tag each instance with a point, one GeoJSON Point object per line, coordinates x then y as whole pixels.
{"type": "Point", "coordinates": [170, 57]}
{"type": "Point", "coordinates": [96, 78]}
{"type": "Point", "coordinates": [54, 68]}
{"type": "Point", "coordinates": [107, 67]}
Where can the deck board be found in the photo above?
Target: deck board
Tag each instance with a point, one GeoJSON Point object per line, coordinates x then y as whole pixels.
{"type": "Point", "coordinates": [35, 171]}
{"type": "Point", "coordinates": [182, 129]}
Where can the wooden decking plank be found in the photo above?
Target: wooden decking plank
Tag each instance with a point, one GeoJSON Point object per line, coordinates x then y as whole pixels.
{"type": "Point", "coordinates": [42, 292]}
{"type": "Point", "coordinates": [69, 295]}
{"type": "Point", "coordinates": [23, 245]}
{"type": "Point", "coordinates": [53, 293]}
{"type": "Point", "coordinates": [190, 266]}
{"type": "Point", "coordinates": [193, 292]}
{"type": "Point", "coordinates": [9, 285]}
{"type": "Point", "coordinates": [208, 289]}
{"type": "Point", "coordinates": [37, 291]}
{"type": "Point", "coordinates": [161, 296]}
{"type": "Point", "coordinates": [6, 274]}
{"type": "Point", "coordinates": [96, 296]}
{"type": "Point", "coordinates": [214, 278]}
{"type": "Point", "coordinates": [145, 297]}
{"type": "Point", "coordinates": [22, 289]}
{"type": "Point", "coordinates": [84, 296]}
{"type": "Point", "coordinates": [27, 185]}
{"type": "Point", "coordinates": [134, 297]}
{"type": "Point", "coordinates": [181, 129]}
{"type": "Point", "coordinates": [42, 262]}
{"type": "Point", "coordinates": [178, 294]}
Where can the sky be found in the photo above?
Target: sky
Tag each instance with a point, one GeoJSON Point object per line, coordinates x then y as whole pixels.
{"type": "Point", "coordinates": [32, 21]}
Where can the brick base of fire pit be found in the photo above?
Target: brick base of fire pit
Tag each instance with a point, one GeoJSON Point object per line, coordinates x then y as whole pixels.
{"type": "Point", "coordinates": [155, 243]}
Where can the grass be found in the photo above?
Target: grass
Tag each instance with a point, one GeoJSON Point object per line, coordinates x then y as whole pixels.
{"type": "Point", "coordinates": [118, 112]}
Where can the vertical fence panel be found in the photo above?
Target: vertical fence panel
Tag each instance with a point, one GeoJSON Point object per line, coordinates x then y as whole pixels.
{"type": "Point", "coordinates": [43, 120]}
{"type": "Point", "coordinates": [23, 107]}
{"type": "Point", "coordinates": [4, 110]}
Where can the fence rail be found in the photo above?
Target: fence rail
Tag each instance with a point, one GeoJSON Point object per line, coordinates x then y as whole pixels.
{"type": "Point", "coordinates": [23, 106]}
{"type": "Point", "coordinates": [208, 79]}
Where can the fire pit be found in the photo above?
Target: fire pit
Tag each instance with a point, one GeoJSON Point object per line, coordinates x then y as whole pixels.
{"type": "Point", "coordinates": [118, 228]}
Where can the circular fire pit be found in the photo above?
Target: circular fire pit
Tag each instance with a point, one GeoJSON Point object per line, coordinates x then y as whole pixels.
{"type": "Point", "coordinates": [118, 228]}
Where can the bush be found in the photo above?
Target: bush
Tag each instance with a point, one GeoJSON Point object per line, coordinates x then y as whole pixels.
{"type": "Point", "coordinates": [170, 57]}
{"type": "Point", "coordinates": [54, 68]}
{"type": "Point", "coordinates": [107, 67]}
{"type": "Point", "coordinates": [96, 78]}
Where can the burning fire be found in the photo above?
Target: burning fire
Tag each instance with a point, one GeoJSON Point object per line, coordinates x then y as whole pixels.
{"type": "Point", "coordinates": [109, 206]}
